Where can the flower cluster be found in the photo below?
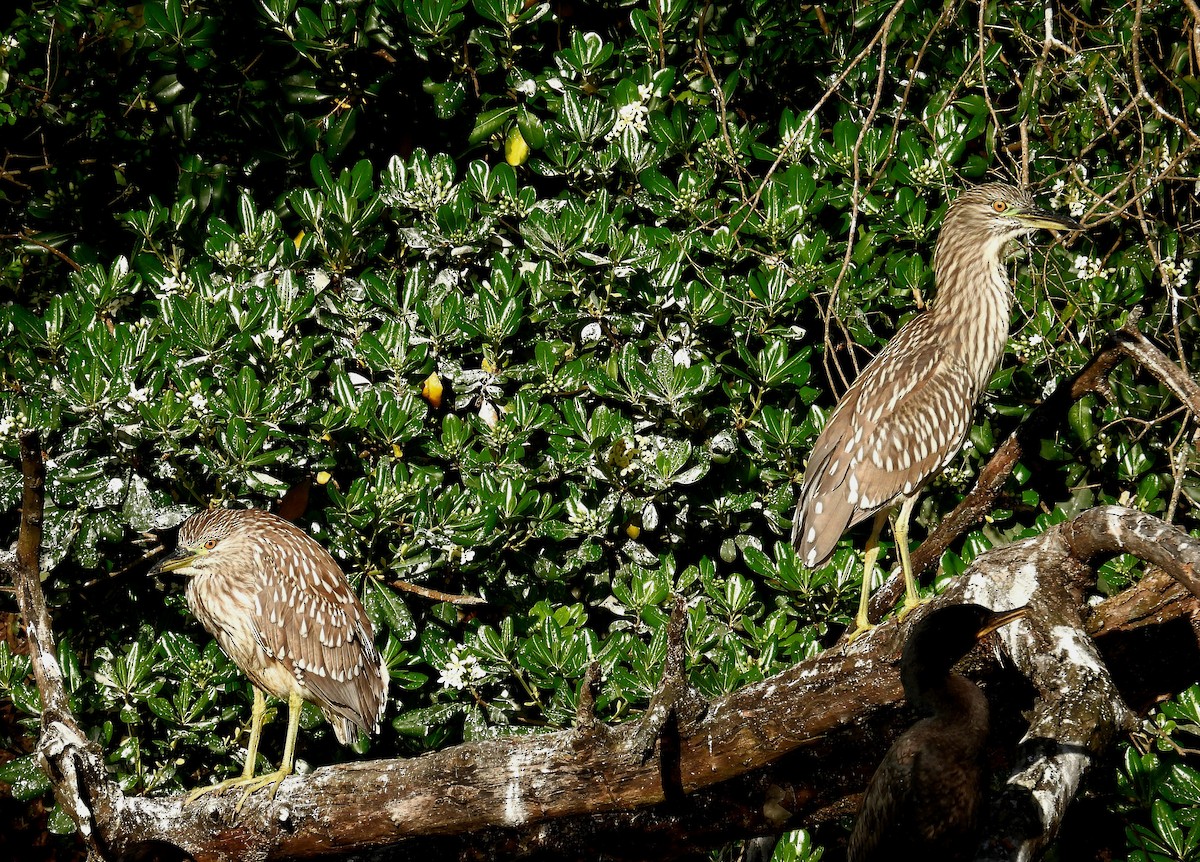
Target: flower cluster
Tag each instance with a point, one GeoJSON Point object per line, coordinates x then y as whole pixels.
{"type": "Point", "coordinates": [1175, 274]}
{"type": "Point", "coordinates": [1091, 267]}
{"type": "Point", "coordinates": [461, 670]}
{"type": "Point", "coordinates": [928, 172]}
{"type": "Point", "coordinates": [1072, 197]}
{"type": "Point", "coordinates": [12, 425]}
{"type": "Point", "coordinates": [633, 115]}
{"type": "Point", "coordinates": [1027, 347]}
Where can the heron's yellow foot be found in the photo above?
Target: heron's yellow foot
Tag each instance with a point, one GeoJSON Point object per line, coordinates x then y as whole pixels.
{"type": "Point", "coordinates": [862, 625]}
{"type": "Point", "coordinates": [911, 603]}
{"type": "Point", "coordinates": [248, 783]}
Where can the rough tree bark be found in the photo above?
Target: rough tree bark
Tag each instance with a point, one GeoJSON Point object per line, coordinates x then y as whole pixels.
{"type": "Point", "coordinates": [793, 750]}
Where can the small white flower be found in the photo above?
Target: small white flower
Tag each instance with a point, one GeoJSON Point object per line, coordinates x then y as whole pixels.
{"type": "Point", "coordinates": [1088, 267]}
{"type": "Point", "coordinates": [1184, 271]}
{"type": "Point", "coordinates": [633, 117]}
{"type": "Point", "coordinates": [1056, 198]}
{"type": "Point", "coordinates": [136, 396]}
{"type": "Point", "coordinates": [461, 668]}
{"type": "Point", "coordinates": [528, 87]}
{"type": "Point", "coordinates": [198, 401]}
{"type": "Point", "coordinates": [452, 677]}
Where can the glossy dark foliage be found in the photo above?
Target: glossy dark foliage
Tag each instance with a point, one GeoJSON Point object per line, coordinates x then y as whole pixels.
{"type": "Point", "coordinates": [240, 238]}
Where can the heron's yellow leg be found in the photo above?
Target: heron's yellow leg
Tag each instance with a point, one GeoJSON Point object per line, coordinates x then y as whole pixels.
{"type": "Point", "coordinates": [274, 779]}
{"type": "Point", "coordinates": [912, 599]}
{"type": "Point", "coordinates": [862, 622]}
{"type": "Point", "coordinates": [257, 711]}
{"type": "Point", "coordinates": [256, 721]}
{"type": "Point", "coordinates": [248, 782]}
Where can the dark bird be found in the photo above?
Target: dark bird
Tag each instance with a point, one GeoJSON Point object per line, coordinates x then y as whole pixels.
{"type": "Point", "coordinates": [280, 607]}
{"type": "Point", "coordinates": [907, 415]}
{"type": "Point", "coordinates": [925, 799]}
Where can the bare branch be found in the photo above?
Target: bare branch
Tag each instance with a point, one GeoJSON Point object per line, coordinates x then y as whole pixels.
{"type": "Point", "coordinates": [73, 764]}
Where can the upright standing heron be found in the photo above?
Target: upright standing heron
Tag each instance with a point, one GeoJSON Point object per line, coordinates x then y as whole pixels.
{"type": "Point", "coordinates": [907, 415]}
{"type": "Point", "coordinates": [281, 609]}
{"type": "Point", "coordinates": [926, 797]}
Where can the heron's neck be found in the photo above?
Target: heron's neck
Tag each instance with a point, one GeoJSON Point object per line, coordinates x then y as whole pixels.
{"type": "Point", "coordinates": [972, 307]}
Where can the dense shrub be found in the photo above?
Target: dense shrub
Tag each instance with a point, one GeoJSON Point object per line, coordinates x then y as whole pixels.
{"type": "Point", "coordinates": [641, 247]}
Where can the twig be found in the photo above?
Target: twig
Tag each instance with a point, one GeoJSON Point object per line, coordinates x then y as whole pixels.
{"type": "Point", "coordinates": [830, 356]}
{"type": "Point", "coordinates": [812, 112]}
{"type": "Point", "coordinates": [1135, 46]}
{"type": "Point", "coordinates": [44, 246]}
{"type": "Point", "coordinates": [438, 595]}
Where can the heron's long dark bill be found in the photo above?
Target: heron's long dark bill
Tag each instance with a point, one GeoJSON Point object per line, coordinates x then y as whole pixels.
{"type": "Point", "coordinates": [1047, 219]}
{"type": "Point", "coordinates": [1002, 619]}
{"type": "Point", "coordinates": [178, 559]}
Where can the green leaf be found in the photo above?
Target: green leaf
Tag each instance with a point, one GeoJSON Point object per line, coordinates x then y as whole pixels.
{"type": "Point", "coordinates": [384, 605]}
{"type": "Point", "coordinates": [25, 776]}
{"type": "Point", "coordinates": [489, 123]}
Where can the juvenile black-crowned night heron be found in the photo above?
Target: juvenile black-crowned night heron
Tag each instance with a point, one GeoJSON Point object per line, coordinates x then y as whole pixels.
{"type": "Point", "coordinates": [907, 415]}
{"type": "Point", "coordinates": [281, 609]}
{"type": "Point", "coordinates": [926, 797]}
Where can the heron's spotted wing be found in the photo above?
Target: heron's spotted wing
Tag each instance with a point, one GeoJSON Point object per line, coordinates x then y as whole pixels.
{"type": "Point", "coordinates": [309, 618]}
{"type": "Point", "coordinates": [916, 434]}
{"type": "Point", "coordinates": [905, 415]}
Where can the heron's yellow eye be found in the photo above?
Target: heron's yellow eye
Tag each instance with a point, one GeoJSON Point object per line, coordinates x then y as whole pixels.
{"type": "Point", "coordinates": [999, 206]}
{"type": "Point", "coordinates": [210, 544]}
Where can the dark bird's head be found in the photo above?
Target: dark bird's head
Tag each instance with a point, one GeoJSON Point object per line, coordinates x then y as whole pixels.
{"type": "Point", "coordinates": [940, 639]}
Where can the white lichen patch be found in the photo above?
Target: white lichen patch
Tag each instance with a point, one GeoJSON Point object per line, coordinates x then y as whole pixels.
{"type": "Point", "coordinates": [1075, 647]}
{"type": "Point", "coordinates": [514, 806]}
{"type": "Point", "coordinates": [1052, 782]}
{"type": "Point", "coordinates": [50, 666]}
{"type": "Point", "coordinates": [985, 591]}
{"type": "Point", "coordinates": [1023, 584]}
